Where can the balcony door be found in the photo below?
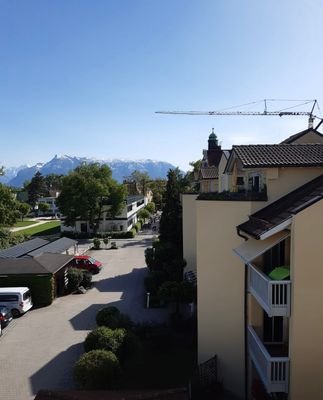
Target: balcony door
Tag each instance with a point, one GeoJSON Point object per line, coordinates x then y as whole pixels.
{"type": "Point", "coordinates": [273, 329]}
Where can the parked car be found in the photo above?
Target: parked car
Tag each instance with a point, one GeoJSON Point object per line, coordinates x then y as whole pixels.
{"type": "Point", "coordinates": [16, 299]}
{"type": "Point", "coordinates": [88, 263]}
{"type": "Point", "coordinates": [5, 316]}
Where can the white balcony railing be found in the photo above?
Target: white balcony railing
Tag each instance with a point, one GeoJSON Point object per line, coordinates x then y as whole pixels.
{"type": "Point", "coordinates": [273, 296]}
{"type": "Point", "coordinates": [273, 371]}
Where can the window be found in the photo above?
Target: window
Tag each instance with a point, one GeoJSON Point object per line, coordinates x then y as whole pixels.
{"type": "Point", "coordinates": [26, 295]}
{"type": "Point", "coordinates": [240, 180]}
{"type": "Point", "coordinates": [8, 297]}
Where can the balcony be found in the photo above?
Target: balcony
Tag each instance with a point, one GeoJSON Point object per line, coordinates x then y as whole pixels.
{"type": "Point", "coordinates": [273, 296]}
{"type": "Point", "coordinates": [273, 371]}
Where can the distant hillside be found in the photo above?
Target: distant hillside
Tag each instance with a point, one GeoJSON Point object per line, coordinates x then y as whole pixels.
{"type": "Point", "coordinates": [64, 164]}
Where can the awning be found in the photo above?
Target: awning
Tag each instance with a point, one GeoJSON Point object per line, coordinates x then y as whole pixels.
{"type": "Point", "coordinates": [253, 248]}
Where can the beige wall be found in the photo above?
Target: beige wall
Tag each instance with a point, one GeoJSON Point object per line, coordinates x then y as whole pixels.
{"type": "Point", "coordinates": [306, 322]}
{"type": "Point", "coordinates": [189, 230]}
{"type": "Point", "coordinates": [288, 179]}
{"type": "Point", "coordinates": [309, 137]}
{"type": "Point", "coordinates": [220, 275]}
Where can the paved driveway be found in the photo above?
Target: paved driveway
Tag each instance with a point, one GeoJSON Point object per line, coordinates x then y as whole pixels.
{"type": "Point", "coordinates": [38, 350]}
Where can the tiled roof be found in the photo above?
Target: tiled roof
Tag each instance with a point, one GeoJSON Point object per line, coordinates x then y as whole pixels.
{"type": "Point", "coordinates": [42, 264]}
{"type": "Point", "coordinates": [280, 155]}
{"type": "Point", "coordinates": [209, 173]}
{"type": "Point", "coordinates": [23, 248]}
{"type": "Point", "coordinates": [298, 135]}
{"type": "Point", "coordinates": [284, 208]}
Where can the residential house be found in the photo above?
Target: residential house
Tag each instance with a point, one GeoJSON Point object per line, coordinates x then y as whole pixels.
{"type": "Point", "coordinates": [282, 183]}
{"type": "Point", "coordinates": [122, 222]}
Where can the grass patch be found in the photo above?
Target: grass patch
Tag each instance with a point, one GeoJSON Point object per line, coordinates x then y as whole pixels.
{"type": "Point", "coordinates": [48, 228]}
{"type": "Point", "coordinates": [20, 224]}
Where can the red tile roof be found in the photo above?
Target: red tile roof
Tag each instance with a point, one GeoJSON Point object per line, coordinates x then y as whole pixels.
{"type": "Point", "coordinates": [280, 155]}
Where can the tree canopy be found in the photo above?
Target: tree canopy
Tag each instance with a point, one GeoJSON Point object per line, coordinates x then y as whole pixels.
{"type": "Point", "coordinates": [85, 192]}
{"type": "Point", "coordinates": [142, 178]}
{"type": "Point", "coordinates": [8, 206]}
{"type": "Point", "coordinates": [36, 188]}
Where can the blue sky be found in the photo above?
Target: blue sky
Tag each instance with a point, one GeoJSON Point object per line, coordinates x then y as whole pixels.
{"type": "Point", "coordinates": [85, 78]}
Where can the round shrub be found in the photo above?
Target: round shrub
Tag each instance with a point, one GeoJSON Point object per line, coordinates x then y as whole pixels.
{"type": "Point", "coordinates": [96, 243]}
{"type": "Point", "coordinates": [86, 279]}
{"type": "Point", "coordinates": [98, 369]}
{"type": "Point", "coordinates": [113, 318]}
{"type": "Point", "coordinates": [105, 339]}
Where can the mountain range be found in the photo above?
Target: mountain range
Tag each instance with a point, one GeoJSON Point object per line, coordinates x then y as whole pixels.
{"type": "Point", "coordinates": [61, 165]}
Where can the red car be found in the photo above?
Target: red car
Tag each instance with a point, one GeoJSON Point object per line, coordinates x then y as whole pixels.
{"type": "Point", "coordinates": [88, 263]}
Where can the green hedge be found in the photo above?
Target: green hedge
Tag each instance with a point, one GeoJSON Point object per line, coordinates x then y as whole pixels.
{"type": "Point", "coordinates": [114, 235]}
{"type": "Point", "coordinates": [41, 287]}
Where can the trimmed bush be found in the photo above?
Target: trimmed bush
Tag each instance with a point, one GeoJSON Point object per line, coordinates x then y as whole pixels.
{"type": "Point", "coordinates": [86, 279]}
{"type": "Point", "coordinates": [112, 318]}
{"type": "Point", "coordinates": [105, 339]}
{"type": "Point", "coordinates": [97, 369]}
{"type": "Point", "coordinates": [75, 277]}
{"type": "Point", "coordinates": [96, 243]}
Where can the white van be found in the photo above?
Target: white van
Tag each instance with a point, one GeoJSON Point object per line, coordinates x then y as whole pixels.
{"type": "Point", "coordinates": [16, 299]}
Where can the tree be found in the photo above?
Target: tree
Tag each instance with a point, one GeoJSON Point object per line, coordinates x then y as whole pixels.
{"type": "Point", "coordinates": [54, 182]}
{"type": "Point", "coordinates": [177, 293]}
{"type": "Point", "coordinates": [158, 188]}
{"type": "Point", "coordinates": [9, 212]}
{"type": "Point", "coordinates": [151, 207]}
{"type": "Point", "coordinates": [2, 170]}
{"type": "Point", "coordinates": [43, 207]}
{"type": "Point", "coordinates": [24, 210]}
{"type": "Point", "coordinates": [143, 214]}
{"type": "Point", "coordinates": [36, 188]}
{"type": "Point", "coordinates": [141, 178]}
{"type": "Point", "coordinates": [87, 192]}
{"type": "Point", "coordinates": [170, 227]}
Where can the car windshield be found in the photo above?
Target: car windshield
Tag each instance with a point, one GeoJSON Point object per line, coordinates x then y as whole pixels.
{"type": "Point", "coordinates": [92, 260]}
{"type": "Point", "coordinates": [27, 295]}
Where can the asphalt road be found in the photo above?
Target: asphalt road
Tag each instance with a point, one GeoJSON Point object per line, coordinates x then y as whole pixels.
{"type": "Point", "coordinates": [38, 350]}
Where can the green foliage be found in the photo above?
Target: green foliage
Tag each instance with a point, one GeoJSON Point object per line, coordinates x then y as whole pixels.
{"type": "Point", "coordinates": [41, 287]}
{"type": "Point", "coordinates": [143, 214]}
{"type": "Point", "coordinates": [97, 369]}
{"type": "Point", "coordinates": [24, 209]}
{"type": "Point", "coordinates": [154, 280]}
{"type": "Point", "coordinates": [158, 187]}
{"type": "Point", "coordinates": [8, 239]}
{"type": "Point", "coordinates": [36, 188]}
{"type": "Point", "coordinates": [54, 182]}
{"type": "Point", "coordinates": [86, 191]}
{"type": "Point", "coordinates": [75, 277]}
{"type": "Point", "coordinates": [177, 292]}
{"type": "Point", "coordinates": [170, 227]}
{"type": "Point", "coordinates": [43, 207]}
{"type": "Point", "coordinates": [96, 243]}
{"type": "Point", "coordinates": [86, 281]}
{"type": "Point", "coordinates": [112, 318]}
{"type": "Point", "coordinates": [141, 178]}
{"type": "Point", "coordinates": [123, 343]}
{"type": "Point", "coordinates": [9, 207]}
{"type": "Point", "coordinates": [151, 207]}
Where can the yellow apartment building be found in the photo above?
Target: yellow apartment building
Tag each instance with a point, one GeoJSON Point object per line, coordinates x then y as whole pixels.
{"type": "Point", "coordinates": [259, 269]}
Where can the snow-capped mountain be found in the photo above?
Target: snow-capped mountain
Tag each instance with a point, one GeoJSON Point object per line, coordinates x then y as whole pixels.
{"type": "Point", "coordinates": [63, 164]}
{"type": "Point", "coordinates": [10, 173]}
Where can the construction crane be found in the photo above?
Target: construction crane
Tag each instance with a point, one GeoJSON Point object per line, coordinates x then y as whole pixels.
{"type": "Point", "coordinates": [280, 113]}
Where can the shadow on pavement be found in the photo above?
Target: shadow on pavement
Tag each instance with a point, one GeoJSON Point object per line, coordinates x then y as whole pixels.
{"type": "Point", "coordinates": [85, 320]}
{"type": "Point", "coordinates": [57, 373]}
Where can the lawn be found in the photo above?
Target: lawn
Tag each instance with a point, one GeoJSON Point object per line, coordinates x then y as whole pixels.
{"type": "Point", "coordinates": [26, 222]}
{"type": "Point", "coordinates": [48, 228]}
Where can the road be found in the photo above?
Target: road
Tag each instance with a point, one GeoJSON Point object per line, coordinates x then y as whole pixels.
{"type": "Point", "coordinates": [38, 350]}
